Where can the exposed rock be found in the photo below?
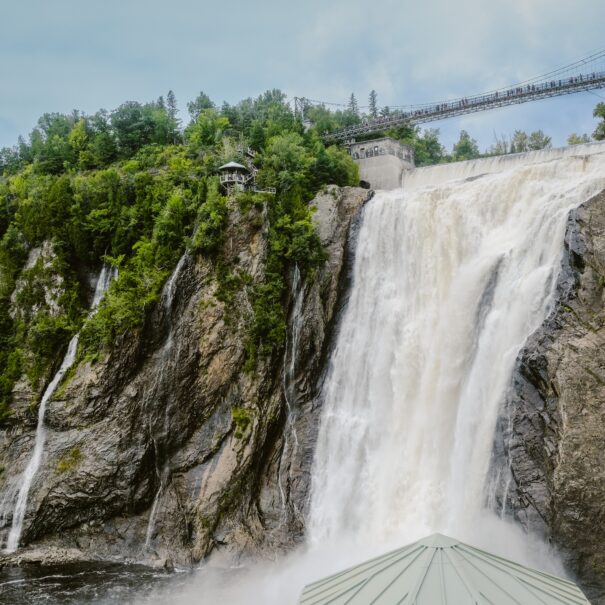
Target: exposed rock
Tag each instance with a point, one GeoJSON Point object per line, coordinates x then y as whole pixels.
{"type": "Point", "coordinates": [553, 428]}
{"type": "Point", "coordinates": [167, 448]}
{"type": "Point", "coordinates": [39, 281]}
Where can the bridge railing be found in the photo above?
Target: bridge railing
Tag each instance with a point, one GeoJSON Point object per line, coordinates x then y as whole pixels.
{"type": "Point", "coordinates": [499, 98]}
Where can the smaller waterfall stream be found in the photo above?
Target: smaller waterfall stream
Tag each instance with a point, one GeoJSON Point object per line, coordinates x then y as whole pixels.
{"type": "Point", "coordinates": [165, 359]}
{"type": "Point", "coordinates": [288, 378]}
{"type": "Point", "coordinates": [105, 277]}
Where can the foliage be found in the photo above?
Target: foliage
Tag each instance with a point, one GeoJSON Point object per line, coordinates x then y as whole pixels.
{"type": "Point", "coordinates": [599, 112]}
{"type": "Point", "coordinates": [292, 241]}
{"type": "Point", "coordinates": [427, 148]}
{"type": "Point", "coordinates": [69, 460]}
{"type": "Point", "coordinates": [128, 187]}
{"type": "Point", "coordinates": [211, 221]}
{"type": "Point", "coordinates": [466, 148]}
{"type": "Point", "coordinates": [199, 104]}
{"type": "Point", "coordinates": [578, 139]}
{"type": "Point", "coordinates": [353, 107]}
{"type": "Point", "coordinates": [373, 104]}
{"type": "Point", "coordinates": [522, 142]}
{"type": "Point", "coordinates": [241, 418]}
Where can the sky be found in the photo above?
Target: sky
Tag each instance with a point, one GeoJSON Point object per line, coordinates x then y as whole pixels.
{"type": "Point", "coordinates": [59, 55]}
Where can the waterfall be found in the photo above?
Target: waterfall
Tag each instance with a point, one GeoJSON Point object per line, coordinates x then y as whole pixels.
{"type": "Point", "coordinates": [18, 515]}
{"type": "Point", "coordinates": [288, 380]}
{"type": "Point", "coordinates": [452, 273]}
{"type": "Point", "coordinates": [164, 361]}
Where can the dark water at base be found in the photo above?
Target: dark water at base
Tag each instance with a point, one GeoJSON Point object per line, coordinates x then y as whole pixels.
{"type": "Point", "coordinates": [84, 584]}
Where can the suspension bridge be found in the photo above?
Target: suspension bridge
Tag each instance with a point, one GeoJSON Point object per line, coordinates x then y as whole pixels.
{"type": "Point", "coordinates": [583, 75]}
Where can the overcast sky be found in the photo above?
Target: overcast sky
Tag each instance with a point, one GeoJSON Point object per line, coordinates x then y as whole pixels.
{"type": "Point", "coordinates": [57, 55]}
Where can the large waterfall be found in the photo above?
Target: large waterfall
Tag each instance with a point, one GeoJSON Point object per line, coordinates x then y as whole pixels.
{"type": "Point", "coordinates": [453, 272]}
{"type": "Point", "coordinates": [451, 275]}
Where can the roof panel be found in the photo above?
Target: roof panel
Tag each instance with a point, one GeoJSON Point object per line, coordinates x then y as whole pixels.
{"type": "Point", "coordinates": [438, 570]}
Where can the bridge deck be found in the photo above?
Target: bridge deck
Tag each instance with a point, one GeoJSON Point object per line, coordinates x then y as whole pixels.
{"type": "Point", "coordinates": [433, 112]}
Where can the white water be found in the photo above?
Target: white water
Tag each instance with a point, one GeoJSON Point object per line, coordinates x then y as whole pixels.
{"type": "Point", "coordinates": [164, 361]}
{"type": "Point", "coordinates": [103, 281]}
{"type": "Point", "coordinates": [449, 281]}
{"type": "Point", "coordinates": [288, 381]}
{"type": "Point", "coordinates": [450, 278]}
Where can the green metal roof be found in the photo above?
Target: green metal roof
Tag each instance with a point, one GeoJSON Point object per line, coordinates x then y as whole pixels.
{"type": "Point", "coordinates": [441, 571]}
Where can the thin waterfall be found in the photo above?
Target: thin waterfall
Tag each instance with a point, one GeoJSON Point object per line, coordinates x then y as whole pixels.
{"type": "Point", "coordinates": [288, 381]}
{"type": "Point", "coordinates": [164, 362]}
{"type": "Point", "coordinates": [18, 515]}
{"type": "Point", "coordinates": [452, 273]}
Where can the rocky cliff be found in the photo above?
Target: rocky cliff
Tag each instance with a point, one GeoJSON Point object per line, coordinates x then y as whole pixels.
{"type": "Point", "coordinates": [552, 431]}
{"type": "Point", "coordinates": [169, 446]}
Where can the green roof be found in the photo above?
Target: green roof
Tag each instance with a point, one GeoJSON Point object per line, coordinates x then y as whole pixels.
{"type": "Point", "coordinates": [441, 571]}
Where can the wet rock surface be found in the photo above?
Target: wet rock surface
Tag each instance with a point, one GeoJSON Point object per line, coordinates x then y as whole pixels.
{"type": "Point", "coordinates": [147, 457]}
{"type": "Point", "coordinates": [552, 430]}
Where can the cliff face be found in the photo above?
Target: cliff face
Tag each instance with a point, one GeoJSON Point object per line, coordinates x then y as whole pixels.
{"type": "Point", "coordinates": [552, 432]}
{"type": "Point", "coordinates": [168, 447]}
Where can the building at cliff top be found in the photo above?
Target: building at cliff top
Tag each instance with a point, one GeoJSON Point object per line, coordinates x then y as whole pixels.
{"type": "Point", "coordinates": [382, 161]}
{"type": "Point", "coordinates": [440, 571]}
{"type": "Point", "coordinates": [237, 177]}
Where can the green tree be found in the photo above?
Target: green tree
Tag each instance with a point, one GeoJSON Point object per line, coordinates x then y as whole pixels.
{"type": "Point", "coordinates": [207, 130]}
{"type": "Point", "coordinates": [133, 126]}
{"type": "Point", "coordinates": [577, 139]}
{"type": "Point", "coordinates": [466, 148]}
{"type": "Point", "coordinates": [102, 147]}
{"type": "Point", "coordinates": [199, 104]}
{"type": "Point", "coordinates": [79, 139]}
{"type": "Point", "coordinates": [172, 108]}
{"type": "Point", "coordinates": [519, 142]}
{"type": "Point", "coordinates": [599, 112]}
{"type": "Point", "coordinates": [372, 103]}
{"type": "Point", "coordinates": [10, 160]}
{"type": "Point", "coordinates": [211, 221]}
{"type": "Point", "coordinates": [500, 147]}
{"type": "Point", "coordinates": [538, 140]}
{"type": "Point", "coordinates": [353, 107]}
{"type": "Point", "coordinates": [257, 135]}
{"type": "Point", "coordinates": [428, 149]}
{"type": "Point", "coordinates": [285, 162]}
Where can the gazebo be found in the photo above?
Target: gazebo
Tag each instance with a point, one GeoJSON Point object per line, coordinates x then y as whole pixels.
{"type": "Point", "coordinates": [441, 571]}
{"type": "Point", "coordinates": [235, 176]}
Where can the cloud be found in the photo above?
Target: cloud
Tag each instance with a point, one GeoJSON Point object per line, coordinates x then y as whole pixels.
{"type": "Point", "coordinates": [63, 55]}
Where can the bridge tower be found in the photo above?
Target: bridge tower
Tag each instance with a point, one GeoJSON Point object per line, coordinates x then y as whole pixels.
{"type": "Point", "coordinates": [382, 161]}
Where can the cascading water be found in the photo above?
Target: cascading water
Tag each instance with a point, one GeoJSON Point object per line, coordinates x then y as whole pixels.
{"type": "Point", "coordinates": [18, 515]}
{"type": "Point", "coordinates": [288, 379]}
{"type": "Point", "coordinates": [451, 274]}
{"type": "Point", "coordinates": [449, 281]}
{"type": "Point", "coordinates": [164, 362]}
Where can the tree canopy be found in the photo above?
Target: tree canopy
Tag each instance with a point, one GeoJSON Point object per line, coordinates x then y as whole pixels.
{"type": "Point", "coordinates": [132, 188]}
{"type": "Point", "coordinates": [599, 112]}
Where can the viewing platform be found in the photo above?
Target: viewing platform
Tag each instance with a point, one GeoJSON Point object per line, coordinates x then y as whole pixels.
{"type": "Point", "coordinates": [237, 177]}
{"type": "Point", "coordinates": [382, 161]}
